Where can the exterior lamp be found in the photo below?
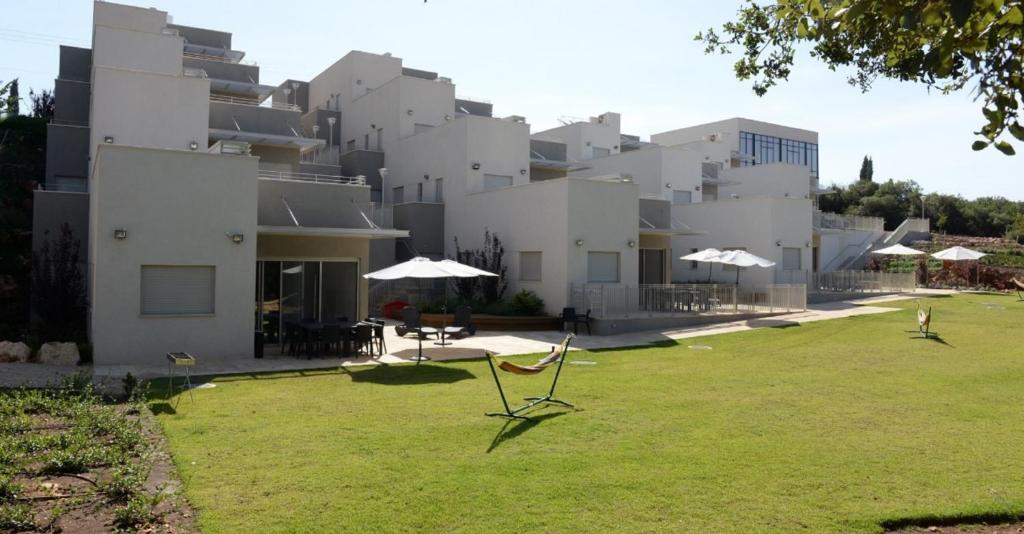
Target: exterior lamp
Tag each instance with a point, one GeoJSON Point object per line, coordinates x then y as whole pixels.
{"type": "Point", "coordinates": [192, 145]}
{"type": "Point", "coordinates": [120, 234]}
{"type": "Point", "coordinates": [696, 188]}
{"type": "Point", "coordinates": [807, 244]}
{"type": "Point", "coordinates": [447, 117]}
{"type": "Point", "coordinates": [476, 166]}
{"type": "Point", "coordinates": [778, 242]}
{"type": "Point", "coordinates": [330, 123]}
{"type": "Point", "coordinates": [631, 243]}
{"type": "Point", "coordinates": [579, 242]}
{"type": "Point", "coordinates": [522, 171]}
{"type": "Point", "coordinates": [236, 237]}
{"type": "Point", "coordinates": [409, 112]}
{"type": "Point", "coordinates": [108, 139]}
{"type": "Point", "coordinates": [316, 131]}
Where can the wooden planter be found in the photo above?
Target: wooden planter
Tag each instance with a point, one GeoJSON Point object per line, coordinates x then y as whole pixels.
{"type": "Point", "coordinates": [501, 323]}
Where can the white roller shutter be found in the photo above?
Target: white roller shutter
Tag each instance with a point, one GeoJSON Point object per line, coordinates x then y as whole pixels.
{"type": "Point", "coordinates": [177, 289]}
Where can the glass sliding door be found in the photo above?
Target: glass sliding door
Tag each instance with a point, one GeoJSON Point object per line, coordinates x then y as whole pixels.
{"type": "Point", "coordinates": [271, 302]}
{"type": "Point", "coordinates": [339, 296]}
{"type": "Point", "coordinates": [293, 291]}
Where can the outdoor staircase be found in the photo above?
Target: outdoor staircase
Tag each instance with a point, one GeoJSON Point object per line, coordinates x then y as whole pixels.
{"type": "Point", "coordinates": [906, 231]}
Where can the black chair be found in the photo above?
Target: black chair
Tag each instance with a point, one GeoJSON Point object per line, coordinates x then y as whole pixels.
{"type": "Point", "coordinates": [291, 338]}
{"type": "Point", "coordinates": [378, 335]}
{"type": "Point", "coordinates": [364, 338]}
{"type": "Point", "coordinates": [330, 338]}
{"type": "Point", "coordinates": [411, 322]}
{"type": "Point", "coordinates": [341, 319]}
{"type": "Point", "coordinates": [569, 315]}
{"type": "Point", "coordinates": [464, 319]}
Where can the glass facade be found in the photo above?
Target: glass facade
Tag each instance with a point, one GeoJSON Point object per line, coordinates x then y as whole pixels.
{"type": "Point", "coordinates": [764, 149]}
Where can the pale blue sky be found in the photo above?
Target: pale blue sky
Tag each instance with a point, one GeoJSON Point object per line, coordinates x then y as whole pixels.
{"type": "Point", "coordinates": [547, 59]}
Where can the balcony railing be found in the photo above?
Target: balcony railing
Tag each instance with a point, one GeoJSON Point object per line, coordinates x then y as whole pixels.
{"type": "Point", "coordinates": [254, 103]}
{"type": "Point", "coordinates": [312, 178]}
{"type": "Point", "coordinates": [82, 187]}
{"type": "Point", "coordinates": [849, 281]}
{"type": "Point", "coordinates": [672, 300]}
{"type": "Point", "coordinates": [836, 221]}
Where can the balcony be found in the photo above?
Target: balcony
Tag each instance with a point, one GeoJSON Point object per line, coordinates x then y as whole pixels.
{"type": "Point", "coordinates": [311, 178]}
{"type": "Point", "coordinates": [656, 219]}
{"type": "Point", "coordinates": [835, 221]}
{"type": "Point", "coordinates": [548, 155]}
{"type": "Point", "coordinates": [297, 204]}
{"type": "Point", "coordinates": [241, 119]}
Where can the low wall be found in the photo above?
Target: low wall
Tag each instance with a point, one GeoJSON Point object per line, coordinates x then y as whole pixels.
{"type": "Point", "coordinates": [499, 323]}
{"type": "Point", "coordinates": [606, 327]}
{"type": "Point", "coordinates": [818, 298]}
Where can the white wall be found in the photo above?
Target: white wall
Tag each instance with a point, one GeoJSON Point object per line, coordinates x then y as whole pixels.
{"type": "Point", "coordinates": [581, 138]}
{"type": "Point", "coordinates": [657, 171]}
{"type": "Point", "coordinates": [774, 180]}
{"type": "Point", "coordinates": [136, 50]}
{"type": "Point", "coordinates": [352, 76]}
{"type": "Point", "coordinates": [177, 207]}
{"type": "Point", "coordinates": [128, 17]}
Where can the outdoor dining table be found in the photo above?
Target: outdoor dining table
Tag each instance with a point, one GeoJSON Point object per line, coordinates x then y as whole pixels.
{"type": "Point", "coordinates": [347, 333]}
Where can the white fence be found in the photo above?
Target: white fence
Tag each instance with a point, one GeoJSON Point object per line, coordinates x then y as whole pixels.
{"type": "Point", "coordinates": [849, 281]}
{"type": "Point", "coordinates": [650, 300]}
{"type": "Point", "coordinates": [824, 219]}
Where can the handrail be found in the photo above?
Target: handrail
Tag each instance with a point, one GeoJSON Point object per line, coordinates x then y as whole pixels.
{"type": "Point", "coordinates": [64, 188]}
{"type": "Point", "coordinates": [313, 178]}
{"type": "Point", "coordinates": [253, 103]}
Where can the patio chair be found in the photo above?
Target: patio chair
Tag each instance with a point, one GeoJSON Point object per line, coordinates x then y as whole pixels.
{"type": "Point", "coordinates": [330, 337]}
{"type": "Point", "coordinates": [1019, 286]}
{"type": "Point", "coordinates": [557, 356]}
{"type": "Point", "coordinates": [364, 338]}
{"type": "Point", "coordinates": [464, 320]}
{"type": "Point", "coordinates": [924, 320]}
{"type": "Point", "coordinates": [570, 316]}
{"type": "Point", "coordinates": [378, 335]}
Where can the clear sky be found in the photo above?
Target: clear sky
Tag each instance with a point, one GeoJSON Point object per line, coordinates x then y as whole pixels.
{"type": "Point", "coordinates": [546, 59]}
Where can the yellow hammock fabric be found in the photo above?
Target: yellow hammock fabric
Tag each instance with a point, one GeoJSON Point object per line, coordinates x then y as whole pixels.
{"type": "Point", "coordinates": [517, 369]}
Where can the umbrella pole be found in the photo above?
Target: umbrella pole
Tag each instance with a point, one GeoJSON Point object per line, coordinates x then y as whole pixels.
{"type": "Point", "coordinates": [709, 270]}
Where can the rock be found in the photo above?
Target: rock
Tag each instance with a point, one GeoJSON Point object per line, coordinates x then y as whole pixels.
{"type": "Point", "coordinates": [11, 351]}
{"type": "Point", "coordinates": [56, 353]}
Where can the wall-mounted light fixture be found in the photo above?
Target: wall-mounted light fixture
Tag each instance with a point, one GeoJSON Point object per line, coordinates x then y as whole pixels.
{"type": "Point", "coordinates": [734, 196]}
{"type": "Point", "coordinates": [579, 242]}
{"type": "Point", "coordinates": [236, 237]}
{"type": "Point", "coordinates": [588, 143]}
{"type": "Point", "coordinates": [696, 188]}
{"type": "Point", "coordinates": [108, 139]}
{"type": "Point", "coordinates": [120, 234]}
{"type": "Point", "coordinates": [192, 145]}
{"type": "Point", "coordinates": [476, 166]}
{"type": "Point", "coordinates": [373, 126]}
{"type": "Point", "coordinates": [807, 244]}
{"type": "Point", "coordinates": [316, 131]}
{"type": "Point", "coordinates": [409, 112]}
{"type": "Point", "coordinates": [778, 242]}
{"type": "Point", "coordinates": [668, 186]}
{"type": "Point", "coordinates": [522, 171]}
{"type": "Point", "coordinates": [616, 147]}
{"type": "Point", "coordinates": [786, 195]}
{"type": "Point", "coordinates": [447, 117]}
{"type": "Point", "coordinates": [631, 243]}
{"type": "Point", "coordinates": [426, 176]}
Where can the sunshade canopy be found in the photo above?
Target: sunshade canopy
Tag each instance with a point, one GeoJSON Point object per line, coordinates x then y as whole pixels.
{"type": "Point", "coordinates": [742, 258]}
{"type": "Point", "coordinates": [897, 250]}
{"type": "Point", "coordinates": [958, 254]}
{"type": "Point", "coordinates": [420, 267]}
{"type": "Point", "coordinates": [708, 254]}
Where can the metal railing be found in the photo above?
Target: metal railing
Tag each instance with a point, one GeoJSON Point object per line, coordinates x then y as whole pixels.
{"type": "Point", "coordinates": [254, 103]}
{"type": "Point", "coordinates": [837, 221]}
{"type": "Point", "coordinates": [671, 300]}
{"type": "Point", "coordinates": [322, 156]}
{"type": "Point", "coordinates": [378, 215]}
{"type": "Point", "coordinates": [65, 188]}
{"type": "Point", "coordinates": [313, 178]}
{"type": "Point", "coordinates": [193, 72]}
{"type": "Point", "coordinates": [849, 281]}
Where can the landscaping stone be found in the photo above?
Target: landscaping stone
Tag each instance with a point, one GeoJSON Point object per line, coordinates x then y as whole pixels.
{"type": "Point", "coordinates": [14, 351]}
{"type": "Point", "coordinates": [56, 353]}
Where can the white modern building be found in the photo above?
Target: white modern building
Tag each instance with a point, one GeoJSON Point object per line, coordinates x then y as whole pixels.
{"type": "Point", "coordinates": [213, 204]}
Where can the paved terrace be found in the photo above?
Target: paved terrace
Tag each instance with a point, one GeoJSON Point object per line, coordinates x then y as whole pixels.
{"type": "Point", "coordinates": [404, 349]}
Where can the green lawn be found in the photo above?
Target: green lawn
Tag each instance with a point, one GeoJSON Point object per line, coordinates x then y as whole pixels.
{"type": "Point", "coordinates": [840, 425]}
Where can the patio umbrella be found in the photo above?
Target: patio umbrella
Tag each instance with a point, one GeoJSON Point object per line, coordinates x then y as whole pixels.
{"type": "Point", "coordinates": [897, 250]}
{"type": "Point", "coordinates": [741, 258]}
{"type": "Point", "coordinates": [707, 255]}
{"type": "Point", "coordinates": [959, 253]}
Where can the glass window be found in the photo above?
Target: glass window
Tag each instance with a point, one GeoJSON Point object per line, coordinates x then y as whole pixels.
{"type": "Point", "coordinates": [791, 259]}
{"type": "Point", "coordinates": [417, 128]}
{"type": "Point", "coordinates": [439, 190]}
{"type": "Point", "coordinates": [419, 192]}
{"type": "Point", "coordinates": [177, 290]}
{"type": "Point", "coordinates": [603, 267]}
{"type": "Point", "coordinates": [693, 264]}
{"type": "Point", "coordinates": [398, 195]}
{"type": "Point", "coordinates": [530, 266]}
{"type": "Point", "coordinates": [601, 152]}
{"type": "Point", "coordinates": [682, 197]}
{"type": "Point", "coordinates": [496, 181]}
{"type": "Point", "coordinates": [765, 149]}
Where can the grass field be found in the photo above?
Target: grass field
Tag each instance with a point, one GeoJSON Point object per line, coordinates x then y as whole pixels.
{"type": "Point", "coordinates": [843, 425]}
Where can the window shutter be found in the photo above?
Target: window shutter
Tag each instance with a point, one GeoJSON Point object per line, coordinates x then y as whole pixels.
{"type": "Point", "coordinates": [603, 267]}
{"type": "Point", "coordinates": [177, 290]}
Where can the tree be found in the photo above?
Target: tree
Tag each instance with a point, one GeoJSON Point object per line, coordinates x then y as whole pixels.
{"type": "Point", "coordinates": [58, 288]}
{"type": "Point", "coordinates": [1016, 230]}
{"type": "Point", "coordinates": [486, 289]}
{"type": "Point", "coordinates": [42, 104]}
{"type": "Point", "coordinates": [867, 169]}
{"type": "Point", "coordinates": [943, 44]}
{"type": "Point", "coordinates": [9, 97]}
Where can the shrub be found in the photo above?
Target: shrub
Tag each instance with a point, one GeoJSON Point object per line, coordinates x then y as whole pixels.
{"type": "Point", "coordinates": [134, 513]}
{"type": "Point", "coordinates": [526, 303]}
{"type": "Point", "coordinates": [125, 482]}
{"type": "Point", "coordinates": [9, 489]}
{"type": "Point", "coordinates": [16, 517]}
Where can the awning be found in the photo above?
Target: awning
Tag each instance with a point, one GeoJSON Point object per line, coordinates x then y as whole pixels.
{"type": "Point", "coordinates": [306, 231]}
{"type": "Point", "coordinates": [259, 138]}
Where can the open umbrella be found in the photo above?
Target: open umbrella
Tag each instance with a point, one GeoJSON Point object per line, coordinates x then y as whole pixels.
{"type": "Point", "coordinates": [897, 250]}
{"type": "Point", "coordinates": [741, 258]}
{"type": "Point", "coordinates": [707, 255]}
{"type": "Point", "coordinates": [959, 253]}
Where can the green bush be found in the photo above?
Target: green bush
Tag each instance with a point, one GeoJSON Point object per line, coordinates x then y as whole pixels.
{"type": "Point", "coordinates": [134, 513]}
{"type": "Point", "coordinates": [125, 483]}
{"type": "Point", "coordinates": [16, 517]}
{"type": "Point", "coordinates": [9, 490]}
{"type": "Point", "coordinates": [526, 303]}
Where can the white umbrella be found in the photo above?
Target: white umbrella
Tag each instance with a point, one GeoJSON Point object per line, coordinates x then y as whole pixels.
{"type": "Point", "coordinates": [897, 250]}
{"type": "Point", "coordinates": [707, 255]}
{"type": "Point", "coordinates": [958, 254]}
{"type": "Point", "coordinates": [461, 267]}
{"type": "Point", "coordinates": [742, 258]}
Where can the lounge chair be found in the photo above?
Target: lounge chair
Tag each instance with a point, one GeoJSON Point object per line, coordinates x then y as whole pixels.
{"type": "Point", "coordinates": [411, 322]}
{"type": "Point", "coordinates": [1019, 286]}
{"type": "Point", "coordinates": [924, 320]}
{"type": "Point", "coordinates": [557, 356]}
{"type": "Point", "coordinates": [464, 320]}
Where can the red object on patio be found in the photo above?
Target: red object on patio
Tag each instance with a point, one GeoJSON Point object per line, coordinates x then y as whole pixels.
{"type": "Point", "coordinates": [393, 309]}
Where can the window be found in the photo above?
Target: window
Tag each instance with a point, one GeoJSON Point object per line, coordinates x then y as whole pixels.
{"type": "Point", "coordinates": [398, 195]}
{"type": "Point", "coordinates": [439, 190]}
{"type": "Point", "coordinates": [496, 181]}
{"type": "Point", "coordinates": [417, 128]}
{"type": "Point", "coordinates": [693, 264]}
{"type": "Point", "coordinates": [763, 149]}
{"type": "Point", "coordinates": [380, 139]}
{"type": "Point", "coordinates": [603, 267]}
{"type": "Point", "coordinates": [601, 152]}
{"type": "Point", "coordinates": [529, 266]}
{"type": "Point", "coordinates": [419, 192]}
{"type": "Point", "coordinates": [177, 290]}
{"type": "Point", "coordinates": [791, 259]}
{"type": "Point", "coordinates": [366, 141]}
{"type": "Point", "coordinates": [682, 197]}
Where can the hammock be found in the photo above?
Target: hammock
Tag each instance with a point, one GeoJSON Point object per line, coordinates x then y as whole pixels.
{"type": "Point", "coordinates": [924, 319]}
{"type": "Point", "coordinates": [1020, 288]}
{"type": "Point", "coordinates": [557, 356]}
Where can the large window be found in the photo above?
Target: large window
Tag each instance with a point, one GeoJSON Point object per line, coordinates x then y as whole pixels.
{"type": "Point", "coordinates": [764, 149]}
{"type": "Point", "coordinates": [439, 190]}
{"type": "Point", "coordinates": [177, 290]}
{"type": "Point", "coordinates": [530, 266]}
{"type": "Point", "coordinates": [603, 267]}
{"type": "Point", "coordinates": [791, 259]}
{"type": "Point", "coordinates": [601, 152]}
{"type": "Point", "coordinates": [398, 195]}
{"type": "Point", "coordinates": [496, 181]}
{"type": "Point", "coordinates": [682, 197]}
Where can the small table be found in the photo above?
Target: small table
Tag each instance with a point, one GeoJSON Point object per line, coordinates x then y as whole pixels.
{"type": "Point", "coordinates": [420, 332]}
{"type": "Point", "coordinates": [180, 359]}
{"type": "Point", "coordinates": [448, 330]}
